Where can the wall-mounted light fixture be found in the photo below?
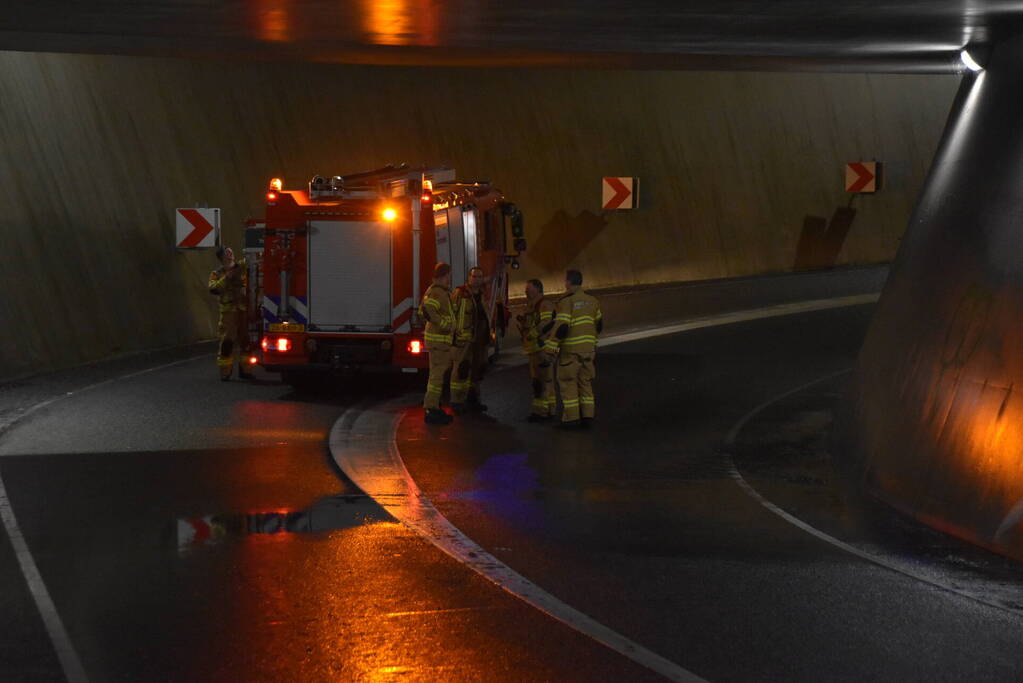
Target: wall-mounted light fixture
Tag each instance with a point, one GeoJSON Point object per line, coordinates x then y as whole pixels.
{"type": "Point", "coordinates": [969, 62]}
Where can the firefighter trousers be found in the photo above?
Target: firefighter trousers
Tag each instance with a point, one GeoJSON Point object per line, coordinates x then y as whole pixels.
{"type": "Point", "coordinates": [468, 363]}
{"type": "Point", "coordinates": [542, 380]}
{"type": "Point", "coordinates": [576, 372]}
{"type": "Point", "coordinates": [440, 363]}
{"type": "Point", "coordinates": [233, 334]}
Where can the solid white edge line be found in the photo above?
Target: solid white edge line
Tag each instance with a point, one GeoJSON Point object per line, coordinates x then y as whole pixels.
{"type": "Point", "coordinates": [70, 662]}
{"type": "Point", "coordinates": [815, 532]}
{"type": "Point", "coordinates": [742, 316]}
{"type": "Point", "coordinates": [66, 654]}
{"type": "Point", "coordinates": [720, 319]}
{"type": "Point", "coordinates": [381, 474]}
{"type": "Point", "coordinates": [466, 551]}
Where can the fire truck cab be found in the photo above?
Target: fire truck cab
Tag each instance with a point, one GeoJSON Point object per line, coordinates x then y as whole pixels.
{"type": "Point", "coordinates": [346, 260]}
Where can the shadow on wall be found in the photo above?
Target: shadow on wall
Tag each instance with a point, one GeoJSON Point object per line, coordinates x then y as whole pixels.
{"type": "Point", "coordinates": [821, 241]}
{"type": "Point", "coordinates": [563, 238]}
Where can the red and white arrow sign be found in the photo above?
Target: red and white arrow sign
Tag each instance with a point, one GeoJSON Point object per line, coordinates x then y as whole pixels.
{"type": "Point", "coordinates": [861, 176]}
{"type": "Point", "coordinates": [619, 193]}
{"type": "Point", "coordinates": [197, 227]}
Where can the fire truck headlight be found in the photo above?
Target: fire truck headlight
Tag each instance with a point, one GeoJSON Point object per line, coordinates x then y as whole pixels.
{"type": "Point", "coordinates": [253, 360]}
{"type": "Point", "coordinates": [390, 214]}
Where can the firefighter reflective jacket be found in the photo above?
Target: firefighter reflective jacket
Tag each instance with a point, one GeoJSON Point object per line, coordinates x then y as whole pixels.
{"type": "Point", "coordinates": [536, 325]}
{"type": "Point", "coordinates": [436, 310]}
{"type": "Point", "coordinates": [577, 322]}
{"type": "Point", "coordinates": [232, 286]}
{"type": "Point", "coordinates": [471, 323]}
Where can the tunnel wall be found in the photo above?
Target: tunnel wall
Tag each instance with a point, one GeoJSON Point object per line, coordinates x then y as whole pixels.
{"type": "Point", "coordinates": [741, 173]}
{"type": "Point", "coordinates": [939, 419]}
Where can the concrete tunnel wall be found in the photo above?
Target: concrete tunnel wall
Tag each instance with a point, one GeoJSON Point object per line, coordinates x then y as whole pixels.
{"type": "Point", "coordinates": [741, 173]}
{"type": "Point", "coordinates": [938, 416]}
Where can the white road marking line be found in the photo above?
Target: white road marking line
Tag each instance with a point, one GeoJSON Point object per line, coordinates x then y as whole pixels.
{"type": "Point", "coordinates": [369, 456]}
{"type": "Point", "coordinates": [66, 653]}
{"type": "Point", "coordinates": [817, 533]}
{"type": "Point", "coordinates": [69, 661]}
{"type": "Point", "coordinates": [720, 319]}
{"type": "Point", "coordinates": [366, 450]}
{"type": "Point", "coordinates": [741, 316]}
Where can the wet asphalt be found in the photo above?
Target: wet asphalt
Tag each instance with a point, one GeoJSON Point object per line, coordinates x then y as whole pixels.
{"type": "Point", "coordinates": [193, 530]}
{"type": "Point", "coordinates": [639, 523]}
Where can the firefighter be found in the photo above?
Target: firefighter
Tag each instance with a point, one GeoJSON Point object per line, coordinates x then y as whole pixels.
{"type": "Point", "coordinates": [230, 284]}
{"type": "Point", "coordinates": [534, 326]}
{"type": "Point", "coordinates": [573, 345]}
{"type": "Point", "coordinates": [436, 311]}
{"type": "Point", "coordinates": [472, 341]}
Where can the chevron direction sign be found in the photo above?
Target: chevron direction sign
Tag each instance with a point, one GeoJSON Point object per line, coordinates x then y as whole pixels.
{"type": "Point", "coordinates": [197, 227]}
{"type": "Point", "coordinates": [862, 176]}
{"type": "Point", "coordinates": [619, 193]}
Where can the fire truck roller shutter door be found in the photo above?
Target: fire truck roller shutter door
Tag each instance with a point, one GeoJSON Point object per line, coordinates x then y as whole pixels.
{"type": "Point", "coordinates": [349, 275]}
{"type": "Point", "coordinates": [456, 236]}
{"type": "Point", "coordinates": [440, 224]}
{"type": "Point", "coordinates": [471, 252]}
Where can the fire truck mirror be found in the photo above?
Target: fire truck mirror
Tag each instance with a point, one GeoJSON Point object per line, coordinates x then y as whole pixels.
{"type": "Point", "coordinates": [517, 227]}
{"type": "Point", "coordinates": [520, 244]}
{"type": "Point", "coordinates": [509, 209]}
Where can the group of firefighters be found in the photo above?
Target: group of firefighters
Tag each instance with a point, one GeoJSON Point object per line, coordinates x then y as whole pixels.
{"type": "Point", "coordinates": [560, 339]}
{"type": "Point", "coordinates": [561, 334]}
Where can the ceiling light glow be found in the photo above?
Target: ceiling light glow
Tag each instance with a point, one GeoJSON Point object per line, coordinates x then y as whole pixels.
{"type": "Point", "coordinates": [969, 61]}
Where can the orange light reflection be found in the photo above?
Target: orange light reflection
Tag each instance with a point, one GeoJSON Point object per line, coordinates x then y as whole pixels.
{"type": "Point", "coordinates": [275, 434]}
{"type": "Point", "coordinates": [400, 22]}
{"type": "Point", "coordinates": [273, 22]}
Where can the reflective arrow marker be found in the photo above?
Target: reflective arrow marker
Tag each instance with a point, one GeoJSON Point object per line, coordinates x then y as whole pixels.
{"type": "Point", "coordinates": [861, 176]}
{"type": "Point", "coordinates": [618, 193]}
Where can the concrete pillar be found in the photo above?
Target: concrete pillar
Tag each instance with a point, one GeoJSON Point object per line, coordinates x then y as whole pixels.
{"type": "Point", "coordinates": [939, 382]}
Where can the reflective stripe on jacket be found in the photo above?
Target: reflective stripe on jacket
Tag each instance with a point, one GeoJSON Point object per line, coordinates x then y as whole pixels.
{"type": "Point", "coordinates": [232, 287]}
{"type": "Point", "coordinates": [436, 310]}
{"type": "Point", "coordinates": [577, 319]}
{"type": "Point", "coordinates": [535, 320]}
{"type": "Point", "coordinates": [465, 314]}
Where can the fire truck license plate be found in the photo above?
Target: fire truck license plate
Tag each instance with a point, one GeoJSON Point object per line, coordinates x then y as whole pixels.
{"type": "Point", "coordinates": [286, 327]}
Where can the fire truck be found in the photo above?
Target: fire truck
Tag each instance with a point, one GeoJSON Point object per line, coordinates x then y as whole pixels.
{"type": "Point", "coordinates": [346, 261]}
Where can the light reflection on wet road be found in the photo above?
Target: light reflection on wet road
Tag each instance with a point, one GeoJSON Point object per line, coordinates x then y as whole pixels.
{"type": "Point", "coordinates": [179, 564]}
{"type": "Point", "coordinates": [190, 530]}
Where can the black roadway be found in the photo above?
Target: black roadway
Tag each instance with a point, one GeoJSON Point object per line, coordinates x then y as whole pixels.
{"type": "Point", "coordinates": [149, 505]}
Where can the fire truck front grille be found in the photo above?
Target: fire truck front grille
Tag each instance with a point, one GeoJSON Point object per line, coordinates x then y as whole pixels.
{"type": "Point", "coordinates": [351, 353]}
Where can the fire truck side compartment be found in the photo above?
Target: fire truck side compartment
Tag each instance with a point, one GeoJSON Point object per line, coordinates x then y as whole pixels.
{"type": "Point", "coordinates": [349, 276]}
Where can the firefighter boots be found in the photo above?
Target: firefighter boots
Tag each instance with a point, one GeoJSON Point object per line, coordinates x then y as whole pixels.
{"type": "Point", "coordinates": [436, 416]}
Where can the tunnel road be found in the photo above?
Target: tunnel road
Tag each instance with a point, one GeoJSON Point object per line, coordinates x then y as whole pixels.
{"type": "Point", "coordinates": [191, 530]}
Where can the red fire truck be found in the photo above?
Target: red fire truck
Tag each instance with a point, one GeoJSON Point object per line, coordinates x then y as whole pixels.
{"type": "Point", "coordinates": [345, 263]}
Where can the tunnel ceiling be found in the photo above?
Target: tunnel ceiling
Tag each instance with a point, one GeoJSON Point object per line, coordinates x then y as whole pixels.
{"type": "Point", "coordinates": [860, 35]}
